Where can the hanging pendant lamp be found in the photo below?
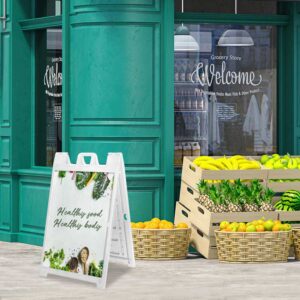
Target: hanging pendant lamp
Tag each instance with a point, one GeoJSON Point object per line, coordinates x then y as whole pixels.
{"type": "Point", "coordinates": [235, 37]}
{"type": "Point", "coordinates": [183, 41]}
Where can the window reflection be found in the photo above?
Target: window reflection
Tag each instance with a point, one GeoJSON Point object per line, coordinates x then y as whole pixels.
{"type": "Point", "coordinates": [225, 96]}
{"type": "Point", "coordinates": [48, 95]}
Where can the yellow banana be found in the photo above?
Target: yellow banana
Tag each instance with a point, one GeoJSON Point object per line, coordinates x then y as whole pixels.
{"type": "Point", "coordinates": [238, 157]}
{"type": "Point", "coordinates": [235, 165]}
{"type": "Point", "coordinates": [228, 164]}
{"type": "Point", "coordinates": [252, 163]}
{"type": "Point", "coordinates": [203, 158]}
{"type": "Point", "coordinates": [208, 166]}
{"type": "Point", "coordinates": [248, 167]}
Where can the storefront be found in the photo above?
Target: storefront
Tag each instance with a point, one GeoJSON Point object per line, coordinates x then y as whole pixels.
{"type": "Point", "coordinates": [100, 76]}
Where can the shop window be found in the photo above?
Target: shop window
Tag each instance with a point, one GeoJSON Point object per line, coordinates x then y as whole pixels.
{"type": "Point", "coordinates": [48, 8]}
{"type": "Point", "coordinates": [228, 6]}
{"type": "Point", "coordinates": [48, 96]}
{"type": "Point", "coordinates": [226, 90]}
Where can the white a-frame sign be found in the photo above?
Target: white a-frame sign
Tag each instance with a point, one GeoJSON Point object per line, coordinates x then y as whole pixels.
{"type": "Point", "coordinates": [88, 220]}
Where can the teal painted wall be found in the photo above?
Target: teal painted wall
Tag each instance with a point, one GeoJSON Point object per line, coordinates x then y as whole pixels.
{"type": "Point", "coordinates": [118, 96]}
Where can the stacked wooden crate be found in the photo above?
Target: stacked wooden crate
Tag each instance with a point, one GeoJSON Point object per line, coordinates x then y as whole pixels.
{"type": "Point", "coordinates": [202, 221]}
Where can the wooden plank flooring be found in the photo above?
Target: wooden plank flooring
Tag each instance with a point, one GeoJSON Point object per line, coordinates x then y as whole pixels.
{"type": "Point", "coordinates": [194, 278]}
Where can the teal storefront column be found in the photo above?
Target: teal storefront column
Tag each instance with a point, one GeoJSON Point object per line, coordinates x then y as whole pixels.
{"type": "Point", "coordinates": [118, 93]}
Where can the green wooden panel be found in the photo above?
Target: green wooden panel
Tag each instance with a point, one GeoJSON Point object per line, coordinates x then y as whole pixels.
{"type": "Point", "coordinates": [5, 151]}
{"type": "Point", "coordinates": [145, 199]}
{"type": "Point", "coordinates": [142, 203]}
{"type": "Point", "coordinates": [5, 207]}
{"type": "Point", "coordinates": [5, 78]}
{"type": "Point", "coordinates": [33, 206]}
{"type": "Point", "coordinates": [140, 153]}
{"type": "Point", "coordinates": [122, 81]}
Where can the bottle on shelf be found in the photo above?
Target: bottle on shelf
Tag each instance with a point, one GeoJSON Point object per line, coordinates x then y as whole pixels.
{"type": "Point", "coordinates": [178, 154]}
{"type": "Point", "coordinates": [187, 149]}
{"type": "Point", "coordinates": [182, 100]}
{"type": "Point", "coordinates": [189, 71]}
{"type": "Point", "coordinates": [188, 100]}
{"type": "Point", "coordinates": [176, 71]}
{"type": "Point", "coordinates": [194, 103]}
{"type": "Point", "coordinates": [195, 149]}
{"type": "Point", "coordinates": [176, 100]}
{"type": "Point", "coordinates": [182, 74]}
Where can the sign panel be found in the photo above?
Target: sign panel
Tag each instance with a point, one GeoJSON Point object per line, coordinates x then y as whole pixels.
{"type": "Point", "coordinates": [88, 218]}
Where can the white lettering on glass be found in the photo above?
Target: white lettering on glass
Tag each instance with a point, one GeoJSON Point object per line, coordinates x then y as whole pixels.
{"type": "Point", "coordinates": [224, 76]}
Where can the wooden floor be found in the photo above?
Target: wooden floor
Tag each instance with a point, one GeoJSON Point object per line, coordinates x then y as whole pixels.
{"type": "Point", "coordinates": [194, 278]}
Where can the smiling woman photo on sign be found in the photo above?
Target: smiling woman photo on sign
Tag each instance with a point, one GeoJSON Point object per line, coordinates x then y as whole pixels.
{"type": "Point", "coordinates": [83, 266]}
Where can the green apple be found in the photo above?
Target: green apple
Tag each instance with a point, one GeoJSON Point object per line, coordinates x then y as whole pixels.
{"type": "Point", "coordinates": [270, 164]}
{"type": "Point", "coordinates": [264, 158]}
{"type": "Point", "coordinates": [278, 165]}
{"type": "Point", "coordinates": [251, 228]}
{"type": "Point", "coordinates": [269, 225]}
{"type": "Point", "coordinates": [287, 227]}
{"type": "Point", "coordinates": [276, 156]}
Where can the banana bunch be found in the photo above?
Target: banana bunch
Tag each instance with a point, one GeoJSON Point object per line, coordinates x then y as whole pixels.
{"type": "Point", "coordinates": [236, 162]}
{"type": "Point", "coordinates": [275, 161]}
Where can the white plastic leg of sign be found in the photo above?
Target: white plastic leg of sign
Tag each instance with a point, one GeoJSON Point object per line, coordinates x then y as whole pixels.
{"type": "Point", "coordinates": [121, 244]}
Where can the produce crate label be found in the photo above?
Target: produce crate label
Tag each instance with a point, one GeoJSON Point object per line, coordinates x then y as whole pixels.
{"type": "Point", "coordinates": [88, 220]}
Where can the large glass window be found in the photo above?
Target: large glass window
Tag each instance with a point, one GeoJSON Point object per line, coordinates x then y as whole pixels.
{"type": "Point", "coordinates": [228, 6]}
{"type": "Point", "coordinates": [226, 90]}
{"type": "Point", "coordinates": [48, 100]}
{"type": "Point", "coordinates": [48, 8]}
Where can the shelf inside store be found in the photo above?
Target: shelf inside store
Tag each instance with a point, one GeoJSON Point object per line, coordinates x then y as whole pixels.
{"type": "Point", "coordinates": [186, 83]}
{"type": "Point", "coordinates": [190, 139]}
{"type": "Point", "coordinates": [190, 111]}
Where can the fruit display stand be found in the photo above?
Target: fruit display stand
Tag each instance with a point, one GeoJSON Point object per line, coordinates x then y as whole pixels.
{"type": "Point", "coordinates": [204, 223]}
{"type": "Point", "coordinates": [192, 174]}
{"type": "Point", "coordinates": [253, 247]}
{"type": "Point", "coordinates": [282, 179]}
{"type": "Point", "coordinates": [282, 176]}
{"type": "Point", "coordinates": [204, 244]}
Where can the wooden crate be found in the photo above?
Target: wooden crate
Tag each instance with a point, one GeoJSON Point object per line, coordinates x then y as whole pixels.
{"type": "Point", "coordinates": [208, 221]}
{"type": "Point", "coordinates": [204, 244]}
{"type": "Point", "coordinates": [281, 187]}
{"type": "Point", "coordinates": [192, 174]}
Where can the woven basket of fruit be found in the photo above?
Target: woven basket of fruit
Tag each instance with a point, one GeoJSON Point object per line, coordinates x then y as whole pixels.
{"type": "Point", "coordinates": [249, 243]}
{"type": "Point", "coordinates": [296, 240]}
{"type": "Point", "coordinates": [162, 240]}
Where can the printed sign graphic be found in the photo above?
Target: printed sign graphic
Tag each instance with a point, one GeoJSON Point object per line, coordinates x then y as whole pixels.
{"type": "Point", "coordinates": [88, 218]}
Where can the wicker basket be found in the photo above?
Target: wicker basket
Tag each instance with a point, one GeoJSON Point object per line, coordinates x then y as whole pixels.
{"type": "Point", "coordinates": [161, 244]}
{"type": "Point", "coordinates": [252, 247]}
{"type": "Point", "coordinates": [296, 239]}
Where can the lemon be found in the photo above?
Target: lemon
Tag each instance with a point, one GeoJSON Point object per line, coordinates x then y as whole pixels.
{"type": "Point", "coordinates": [156, 220]}
{"type": "Point", "coordinates": [167, 225]}
{"type": "Point", "coordinates": [182, 225]}
{"type": "Point", "coordinates": [152, 225]}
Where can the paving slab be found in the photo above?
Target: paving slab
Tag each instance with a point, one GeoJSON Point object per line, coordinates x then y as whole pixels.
{"type": "Point", "coordinates": [193, 278]}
